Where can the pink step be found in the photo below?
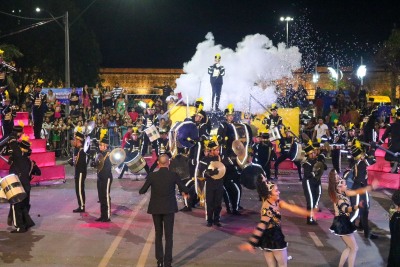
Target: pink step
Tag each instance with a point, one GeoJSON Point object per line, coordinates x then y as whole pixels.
{"type": "Point", "coordinates": [49, 173]}
{"type": "Point", "coordinates": [285, 165]}
{"type": "Point", "coordinates": [38, 145]}
{"type": "Point", "coordinates": [386, 180]}
{"type": "Point", "coordinates": [42, 159]}
{"type": "Point", "coordinates": [380, 165]}
{"type": "Point", "coordinates": [21, 116]}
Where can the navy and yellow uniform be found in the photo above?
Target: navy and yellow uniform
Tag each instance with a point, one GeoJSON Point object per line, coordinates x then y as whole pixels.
{"type": "Point", "coordinates": [149, 120]}
{"type": "Point", "coordinates": [232, 187]}
{"type": "Point", "coordinates": [361, 180]}
{"type": "Point", "coordinates": [285, 144]}
{"type": "Point", "coordinates": [7, 117]}
{"type": "Point", "coordinates": [104, 181]}
{"type": "Point", "coordinates": [311, 185]}
{"type": "Point", "coordinates": [216, 72]}
{"type": "Point", "coordinates": [262, 153]}
{"type": "Point", "coordinates": [79, 160]}
{"type": "Point", "coordinates": [38, 110]}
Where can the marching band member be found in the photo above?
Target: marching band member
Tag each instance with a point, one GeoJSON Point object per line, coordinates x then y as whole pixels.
{"type": "Point", "coordinates": [394, 131]}
{"type": "Point", "coordinates": [285, 144]}
{"type": "Point", "coordinates": [104, 180]}
{"type": "Point", "coordinates": [131, 145]}
{"type": "Point", "coordinates": [273, 120]}
{"type": "Point", "coordinates": [149, 120]}
{"type": "Point", "coordinates": [311, 186]}
{"type": "Point", "coordinates": [214, 188]}
{"type": "Point", "coordinates": [227, 132]}
{"type": "Point", "coordinates": [350, 142]}
{"type": "Point", "coordinates": [262, 152]}
{"type": "Point", "coordinates": [163, 147]}
{"type": "Point", "coordinates": [7, 116]}
{"type": "Point", "coordinates": [362, 161]}
{"type": "Point", "coordinates": [79, 160]}
{"type": "Point", "coordinates": [232, 186]}
{"type": "Point", "coordinates": [38, 109]}
{"type": "Point", "coordinates": [216, 72]}
{"type": "Point", "coordinates": [338, 140]}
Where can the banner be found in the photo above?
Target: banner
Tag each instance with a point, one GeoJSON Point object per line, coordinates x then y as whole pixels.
{"type": "Point", "coordinates": [63, 93]}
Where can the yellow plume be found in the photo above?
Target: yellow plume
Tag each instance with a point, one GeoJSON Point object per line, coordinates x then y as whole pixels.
{"type": "Point", "coordinates": [103, 132]}
{"type": "Point", "coordinates": [200, 99]}
{"type": "Point", "coordinates": [335, 121]}
{"type": "Point", "coordinates": [21, 123]}
{"type": "Point", "coordinates": [151, 104]}
{"type": "Point", "coordinates": [214, 138]}
{"type": "Point", "coordinates": [25, 137]}
{"type": "Point", "coordinates": [206, 142]}
{"type": "Point", "coordinates": [230, 108]}
{"type": "Point", "coordinates": [40, 81]}
{"type": "Point", "coordinates": [7, 95]}
{"type": "Point", "coordinates": [79, 129]}
{"type": "Point", "coordinates": [393, 111]}
{"type": "Point", "coordinates": [361, 125]}
{"type": "Point", "coordinates": [273, 105]}
{"type": "Point", "coordinates": [318, 140]}
{"type": "Point", "coordinates": [1, 52]}
{"type": "Point", "coordinates": [200, 108]}
{"type": "Point", "coordinates": [310, 142]}
{"type": "Point", "coordinates": [357, 144]}
{"type": "Point", "coordinates": [351, 125]}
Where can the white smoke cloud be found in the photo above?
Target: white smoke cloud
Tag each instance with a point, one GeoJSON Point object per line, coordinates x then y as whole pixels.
{"type": "Point", "coordinates": [251, 68]}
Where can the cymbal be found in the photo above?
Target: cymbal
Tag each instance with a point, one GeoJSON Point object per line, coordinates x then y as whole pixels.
{"type": "Point", "coordinates": [221, 169]}
{"type": "Point", "coordinates": [238, 148]}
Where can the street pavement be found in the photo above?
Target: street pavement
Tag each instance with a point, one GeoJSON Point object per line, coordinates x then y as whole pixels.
{"type": "Point", "coordinates": [63, 238]}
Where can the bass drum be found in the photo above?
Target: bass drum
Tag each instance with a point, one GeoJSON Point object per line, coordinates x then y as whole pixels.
{"type": "Point", "coordinates": [180, 165]}
{"type": "Point", "coordinates": [250, 174]}
{"type": "Point", "coordinates": [182, 135]}
{"type": "Point", "coordinates": [13, 189]}
{"type": "Point", "coordinates": [296, 152]}
{"type": "Point", "coordinates": [137, 162]}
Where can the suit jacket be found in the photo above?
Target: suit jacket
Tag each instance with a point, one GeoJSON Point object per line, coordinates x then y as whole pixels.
{"type": "Point", "coordinates": [163, 199]}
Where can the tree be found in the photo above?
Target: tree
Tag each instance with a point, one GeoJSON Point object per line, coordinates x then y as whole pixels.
{"type": "Point", "coordinates": [43, 46]}
{"type": "Point", "coordinates": [10, 54]}
{"type": "Point", "coordinates": [388, 57]}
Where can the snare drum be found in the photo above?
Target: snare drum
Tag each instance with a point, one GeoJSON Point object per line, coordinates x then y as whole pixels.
{"type": "Point", "coordinates": [152, 133]}
{"type": "Point", "coordinates": [274, 134]}
{"type": "Point", "coordinates": [13, 189]}
{"type": "Point", "coordinates": [137, 162]}
{"type": "Point", "coordinates": [296, 152]}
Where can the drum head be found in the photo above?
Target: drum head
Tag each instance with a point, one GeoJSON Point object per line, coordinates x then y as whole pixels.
{"type": "Point", "coordinates": [250, 174]}
{"type": "Point", "coordinates": [180, 165]}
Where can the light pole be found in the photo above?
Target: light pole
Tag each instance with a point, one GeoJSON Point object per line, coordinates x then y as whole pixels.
{"type": "Point", "coordinates": [67, 82]}
{"type": "Point", "coordinates": [287, 19]}
{"type": "Point", "coordinates": [361, 72]}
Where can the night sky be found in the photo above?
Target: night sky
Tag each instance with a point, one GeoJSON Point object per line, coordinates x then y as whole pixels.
{"type": "Point", "coordinates": [164, 33]}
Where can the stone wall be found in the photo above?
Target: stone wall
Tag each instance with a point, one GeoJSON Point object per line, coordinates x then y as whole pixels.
{"type": "Point", "coordinates": [145, 81]}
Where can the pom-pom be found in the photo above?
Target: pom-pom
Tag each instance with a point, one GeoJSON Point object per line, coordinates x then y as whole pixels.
{"type": "Point", "coordinates": [103, 132]}
{"type": "Point", "coordinates": [40, 81]}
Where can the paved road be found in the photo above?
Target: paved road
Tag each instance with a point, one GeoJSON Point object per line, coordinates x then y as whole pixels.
{"type": "Point", "coordinates": [62, 238]}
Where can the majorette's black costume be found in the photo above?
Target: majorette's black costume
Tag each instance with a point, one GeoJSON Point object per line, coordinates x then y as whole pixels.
{"type": "Point", "coordinates": [341, 224]}
{"type": "Point", "coordinates": [216, 72]}
{"type": "Point", "coordinates": [272, 237]}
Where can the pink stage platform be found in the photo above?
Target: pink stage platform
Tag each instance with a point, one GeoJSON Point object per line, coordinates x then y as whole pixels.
{"type": "Point", "coordinates": [45, 160]}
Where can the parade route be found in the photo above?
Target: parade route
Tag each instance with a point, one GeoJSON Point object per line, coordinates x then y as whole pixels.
{"type": "Point", "coordinates": [63, 238]}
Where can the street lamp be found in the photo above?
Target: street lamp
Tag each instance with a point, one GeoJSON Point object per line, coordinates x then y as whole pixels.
{"type": "Point", "coordinates": [361, 72]}
{"type": "Point", "coordinates": [287, 19]}
{"type": "Point", "coordinates": [66, 34]}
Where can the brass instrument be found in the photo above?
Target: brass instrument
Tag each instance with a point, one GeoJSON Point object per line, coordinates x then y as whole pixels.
{"type": "Point", "coordinates": [99, 161]}
{"type": "Point", "coordinates": [117, 156]}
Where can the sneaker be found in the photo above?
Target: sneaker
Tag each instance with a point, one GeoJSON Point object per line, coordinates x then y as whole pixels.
{"type": "Point", "coordinates": [78, 210]}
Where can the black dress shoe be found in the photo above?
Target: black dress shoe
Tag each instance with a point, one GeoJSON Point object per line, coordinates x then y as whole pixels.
{"type": "Point", "coordinates": [9, 221]}
{"type": "Point", "coordinates": [209, 224]}
{"type": "Point", "coordinates": [30, 225]}
{"type": "Point", "coordinates": [218, 224]}
{"type": "Point", "coordinates": [19, 230]}
{"type": "Point", "coordinates": [372, 236]}
{"type": "Point", "coordinates": [240, 208]}
{"type": "Point", "coordinates": [160, 264]}
{"type": "Point", "coordinates": [237, 213]}
{"type": "Point", "coordinates": [312, 223]}
{"type": "Point", "coordinates": [99, 219]}
{"type": "Point", "coordinates": [185, 209]}
{"type": "Point", "coordinates": [106, 220]}
{"type": "Point", "coordinates": [78, 210]}
{"type": "Point", "coordinates": [228, 211]}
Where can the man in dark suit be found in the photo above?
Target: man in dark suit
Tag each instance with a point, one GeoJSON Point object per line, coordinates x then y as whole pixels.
{"type": "Point", "coordinates": [163, 206]}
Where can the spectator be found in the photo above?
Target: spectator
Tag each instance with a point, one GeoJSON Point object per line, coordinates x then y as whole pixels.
{"type": "Point", "coordinates": [96, 98]}
{"type": "Point", "coordinates": [86, 99]}
{"type": "Point", "coordinates": [117, 90]}
{"type": "Point", "coordinates": [120, 104]}
{"type": "Point", "coordinates": [320, 130]}
{"type": "Point", "coordinates": [51, 97]}
{"type": "Point", "coordinates": [73, 97]}
{"type": "Point", "coordinates": [107, 98]}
